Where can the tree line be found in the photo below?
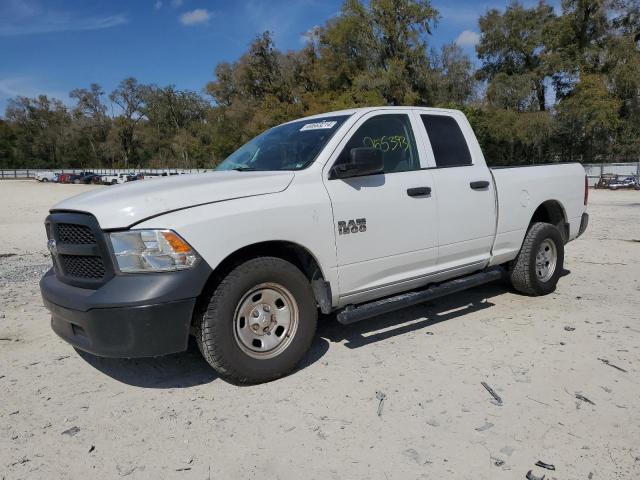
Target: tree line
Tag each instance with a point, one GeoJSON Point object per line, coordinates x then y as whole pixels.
{"type": "Point", "coordinates": [549, 87]}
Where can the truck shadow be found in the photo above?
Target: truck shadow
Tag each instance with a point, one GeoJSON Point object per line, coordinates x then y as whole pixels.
{"type": "Point", "coordinates": [179, 370]}
{"type": "Point", "coordinates": [410, 319]}
{"type": "Point", "coordinates": [188, 369]}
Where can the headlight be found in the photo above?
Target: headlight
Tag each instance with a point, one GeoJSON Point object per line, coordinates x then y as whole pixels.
{"type": "Point", "coordinates": [151, 251]}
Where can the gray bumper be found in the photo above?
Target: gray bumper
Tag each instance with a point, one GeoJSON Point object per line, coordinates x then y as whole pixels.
{"type": "Point", "coordinates": [143, 315]}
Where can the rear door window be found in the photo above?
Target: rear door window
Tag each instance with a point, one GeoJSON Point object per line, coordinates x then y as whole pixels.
{"type": "Point", "coordinates": [447, 141]}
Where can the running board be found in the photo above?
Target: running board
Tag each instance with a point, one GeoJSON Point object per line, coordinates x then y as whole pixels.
{"type": "Point", "coordinates": [352, 314]}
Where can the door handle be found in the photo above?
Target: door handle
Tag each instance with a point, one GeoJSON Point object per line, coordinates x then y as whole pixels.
{"type": "Point", "coordinates": [479, 185]}
{"type": "Point", "coordinates": [419, 191]}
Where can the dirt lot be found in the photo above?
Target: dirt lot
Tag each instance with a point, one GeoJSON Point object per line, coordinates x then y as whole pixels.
{"type": "Point", "coordinates": [69, 415]}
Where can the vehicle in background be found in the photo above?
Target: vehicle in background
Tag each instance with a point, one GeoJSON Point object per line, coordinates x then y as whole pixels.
{"type": "Point", "coordinates": [45, 176]}
{"type": "Point", "coordinates": [359, 212]}
{"type": "Point", "coordinates": [87, 178]}
{"type": "Point", "coordinates": [114, 179]}
{"type": "Point", "coordinates": [132, 177]}
{"type": "Point", "coordinates": [605, 179]}
{"type": "Point", "coordinates": [63, 178]}
{"type": "Point", "coordinates": [629, 182]}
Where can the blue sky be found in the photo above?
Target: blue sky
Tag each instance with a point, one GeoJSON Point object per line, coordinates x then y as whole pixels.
{"type": "Point", "coordinates": [52, 47]}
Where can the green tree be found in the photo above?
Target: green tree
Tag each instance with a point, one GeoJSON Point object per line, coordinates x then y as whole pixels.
{"type": "Point", "coordinates": [41, 129]}
{"type": "Point", "coordinates": [91, 123]}
{"type": "Point", "coordinates": [576, 42]}
{"type": "Point", "coordinates": [129, 97]}
{"type": "Point", "coordinates": [588, 120]}
{"type": "Point", "coordinates": [7, 145]}
{"type": "Point", "coordinates": [381, 46]}
{"type": "Point", "coordinates": [512, 49]}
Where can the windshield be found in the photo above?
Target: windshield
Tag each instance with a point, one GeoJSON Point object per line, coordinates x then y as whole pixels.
{"type": "Point", "coordinates": [292, 146]}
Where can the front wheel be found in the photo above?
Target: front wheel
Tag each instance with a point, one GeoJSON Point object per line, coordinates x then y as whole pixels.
{"type": "Point", "coordinates": [538, 266]}
{"type": "Point", "coordinates": [259, 321]}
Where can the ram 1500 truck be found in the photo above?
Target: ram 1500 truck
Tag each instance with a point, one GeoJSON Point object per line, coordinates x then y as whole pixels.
{"type": "Point", "coordinates": [357, 212]}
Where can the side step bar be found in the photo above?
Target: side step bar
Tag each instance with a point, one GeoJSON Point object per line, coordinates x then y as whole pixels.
{"type": "Point", "coordinates": [352, 314]}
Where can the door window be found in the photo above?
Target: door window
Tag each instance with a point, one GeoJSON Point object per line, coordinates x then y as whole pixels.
{"type": "Point", "coordinates": [392, 134]}
{"type": "Point", "coordinates": [447, 141]}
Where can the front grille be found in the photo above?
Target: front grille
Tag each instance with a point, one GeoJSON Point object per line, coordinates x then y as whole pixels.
{"type": "Point", "coordinates": [80, 252]}
{"type": "Point", "coordinates": [82, 266]}
{"type": "Point", "coordinates": [71, 234]}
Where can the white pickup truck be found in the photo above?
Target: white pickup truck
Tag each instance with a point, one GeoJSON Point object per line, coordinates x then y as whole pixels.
{"type": "Point", "coordinates": [45, 176]}
{"type": "Point", "coordinates": [358, 212]}
{"type": "Point", "coordinates": [114, 179]}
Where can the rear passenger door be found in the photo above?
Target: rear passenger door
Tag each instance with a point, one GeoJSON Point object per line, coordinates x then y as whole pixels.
{"type": "Point", "coordinates": [466, 196]}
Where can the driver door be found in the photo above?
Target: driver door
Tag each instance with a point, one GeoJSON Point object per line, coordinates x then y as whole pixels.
{"type": "Point", "coordinates": [385, 223]}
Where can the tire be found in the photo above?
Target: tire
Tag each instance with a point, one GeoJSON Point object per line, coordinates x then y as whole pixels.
{"type": "Point", "coordinates": [529, 276]}
{"type": "Point", "coordinates": [227, 337]}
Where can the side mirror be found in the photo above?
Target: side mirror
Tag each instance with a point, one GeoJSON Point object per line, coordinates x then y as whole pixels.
{"type": "Point", "coordinates": [362, 161]}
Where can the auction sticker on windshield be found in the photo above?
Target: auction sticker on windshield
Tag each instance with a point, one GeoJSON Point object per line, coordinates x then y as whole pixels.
{"type": "Point", "coordinates": [318, 126]}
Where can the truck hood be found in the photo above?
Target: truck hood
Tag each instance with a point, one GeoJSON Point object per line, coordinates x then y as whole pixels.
{"type": "Point", "coordinates": [121, 206]}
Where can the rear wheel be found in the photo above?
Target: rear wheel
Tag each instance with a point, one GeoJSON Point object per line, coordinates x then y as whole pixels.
{"type": "Point", "coordinates": [259, 321]}
{"type": "Point", "coordinates": [538, 266]}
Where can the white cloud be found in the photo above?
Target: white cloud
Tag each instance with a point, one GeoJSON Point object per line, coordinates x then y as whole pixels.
{"type": "Point", "coordinates": [157, 5]}
{"type": "Point", "coordinates": [24, 18]}
{"type": "Point", "coordinates": [176, 3]}
{"type": "Point", "coordinates": [468, 38]}
{"type": "Point", "coordinates": [195, 17]}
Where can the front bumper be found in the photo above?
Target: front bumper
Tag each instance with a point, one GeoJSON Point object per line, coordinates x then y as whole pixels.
{"type": "Point", "coordinates": [143, 315]}
{"type": "Point", "coordinates": [584, 223]}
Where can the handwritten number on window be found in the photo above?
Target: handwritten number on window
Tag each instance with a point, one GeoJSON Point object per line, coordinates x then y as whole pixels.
{"type": "Point", "coordinates": [387, 142]}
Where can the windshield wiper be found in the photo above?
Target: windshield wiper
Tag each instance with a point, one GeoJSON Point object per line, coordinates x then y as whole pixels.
{"type": "Point", "coordinates": [245, 169]}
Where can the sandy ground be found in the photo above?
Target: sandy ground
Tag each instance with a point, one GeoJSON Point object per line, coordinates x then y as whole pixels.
{"type": "Point", "coordinates": [70, 415]}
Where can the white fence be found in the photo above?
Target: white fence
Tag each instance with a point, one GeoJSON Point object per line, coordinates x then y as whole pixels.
{"type": "Point", "coordinates": [594, 170]}
{"type": "Point", "coordinates": [18, 174]}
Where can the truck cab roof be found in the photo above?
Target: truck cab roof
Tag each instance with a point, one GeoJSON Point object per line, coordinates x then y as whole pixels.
{"type": "Point", "coordinates": [365, 110]}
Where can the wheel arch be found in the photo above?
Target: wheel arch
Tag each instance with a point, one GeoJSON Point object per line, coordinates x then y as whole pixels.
{"type": "Point", "coordinates": [292, 252]}
{"type": "Point", "coordinates": [553, 212]}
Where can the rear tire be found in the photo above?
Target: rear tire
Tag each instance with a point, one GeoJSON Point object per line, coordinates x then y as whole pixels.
{"type": "Point", "coordinates": [538, 266]}
{"type": "Point", "coordinates": [259, 321]}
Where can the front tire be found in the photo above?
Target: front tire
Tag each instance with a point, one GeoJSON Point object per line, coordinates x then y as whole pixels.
{"type": "Point", "coordinates": [538, 266]}
{"type": "Point", "coordinates": [259, 321]}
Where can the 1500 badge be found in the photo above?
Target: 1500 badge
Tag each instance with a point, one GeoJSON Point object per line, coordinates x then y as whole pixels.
{"type": "Point", "coordinates": [352, 226]}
